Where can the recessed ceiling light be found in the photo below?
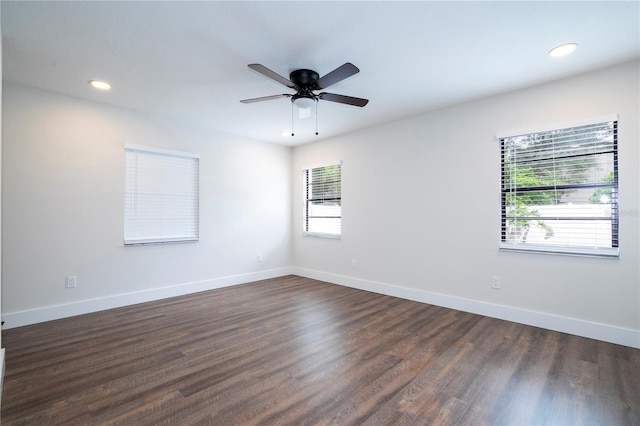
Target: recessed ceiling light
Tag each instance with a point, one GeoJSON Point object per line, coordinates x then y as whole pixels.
{"type": "Point", "coordinates": [100, 85]}
{"type": "Point", "coordinates": [563, 50]}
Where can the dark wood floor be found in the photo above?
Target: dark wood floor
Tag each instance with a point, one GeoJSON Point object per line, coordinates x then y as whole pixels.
{"type": "Point", "coordinates": [297, 351]}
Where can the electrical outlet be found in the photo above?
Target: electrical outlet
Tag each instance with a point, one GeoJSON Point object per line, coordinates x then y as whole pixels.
{"type": "Point", "coordinates": [259, 258]}
{"type": "Point", "coordinates": [354, 263]}
{"type": "Point", "coordinates": [495, 282]}
{"type": "Point", "coordinates": [72, 281]}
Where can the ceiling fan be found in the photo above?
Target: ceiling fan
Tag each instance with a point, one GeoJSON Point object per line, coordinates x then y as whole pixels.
{"type": "Point", "coordinates": [305, 82]}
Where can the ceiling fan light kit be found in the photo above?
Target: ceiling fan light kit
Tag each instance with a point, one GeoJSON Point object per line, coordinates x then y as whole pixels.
{"type": "Point", "coordinates": [303, 102]}
{"type": "Point", "coordinates": [305, 82]}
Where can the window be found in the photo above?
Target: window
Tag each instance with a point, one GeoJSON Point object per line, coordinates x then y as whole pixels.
{"type": "Point", "coordinates": [323, 201]}
{"type": "Point", "coordinates": [161, 196]}
{"type": "Point", "coordinates": [559, 190]}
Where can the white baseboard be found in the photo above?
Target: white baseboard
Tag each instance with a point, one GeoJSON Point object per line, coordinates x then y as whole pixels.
{"type": "Point", "coordinates": [48, 313]}
{"type": "Point", "coordinates": [1, 372]}
{"type": "Point", "coordinates": [606, 333]}
{"type": "Point", "coordinates": [592, 330]}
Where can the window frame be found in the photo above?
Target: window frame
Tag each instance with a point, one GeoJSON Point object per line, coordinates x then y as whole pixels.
{"type": "Point", "coordinates": [611, 251]}
{"type": "Point", "coordinates": [306, 172]}
{"type": "Point", "coordinates": [189, 222]}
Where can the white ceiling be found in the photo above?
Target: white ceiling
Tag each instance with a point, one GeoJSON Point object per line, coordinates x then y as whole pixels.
{"type": "Point", "coordinates": [187, 61]}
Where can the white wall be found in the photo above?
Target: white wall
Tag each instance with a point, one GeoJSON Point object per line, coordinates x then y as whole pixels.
{"type": "Point", "coordinates": [1, 348]}
{"type": "Point", "coordinates": [62, 211]}
{"type": "Point", "coordinates": [421, 212]}
{"type": "Point", "coordinates": [63, 207]}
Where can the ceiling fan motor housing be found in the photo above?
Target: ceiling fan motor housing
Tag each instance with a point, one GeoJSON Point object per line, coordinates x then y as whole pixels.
{"type": "Point", "coordinates": [305, 82]}
{"type": "Point", "coordinates": [304, 78]}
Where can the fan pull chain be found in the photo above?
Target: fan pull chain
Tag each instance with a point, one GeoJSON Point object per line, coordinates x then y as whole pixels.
{"type": "Point", "coordinates": [316, 118]}
{"type": "Point", "coordinates": [292, 108]}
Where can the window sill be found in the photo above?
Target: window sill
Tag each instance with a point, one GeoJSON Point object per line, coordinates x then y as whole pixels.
{"type": "Point", "coordinates": [603, 252]}
{"type": "Point", "coordinates": [323, 236]}
{"type": "Point", "coordinates": [156, 242]}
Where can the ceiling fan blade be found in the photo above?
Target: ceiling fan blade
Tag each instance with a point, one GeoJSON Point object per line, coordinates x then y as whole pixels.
{"type": "Point", "coordinates": [271, 74]}
{"type": "Point", "coordinates": [342, 99]}
{"type": "Point", "coordinates": [337, 75]}
{"type": "Point", "coordinates": [264, 98]}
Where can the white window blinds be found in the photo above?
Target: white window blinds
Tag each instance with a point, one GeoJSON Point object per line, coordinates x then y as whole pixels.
{"type": "Point", "coordinates": [560, 190]}
{"type": "Point", "coordinates": [161, 196]}
{"type": "Point", "coordinates": [323, 201]}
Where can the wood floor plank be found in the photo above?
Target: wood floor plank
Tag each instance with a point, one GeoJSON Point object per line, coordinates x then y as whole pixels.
{"type": "Point", "coordinates": [298, 351]}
